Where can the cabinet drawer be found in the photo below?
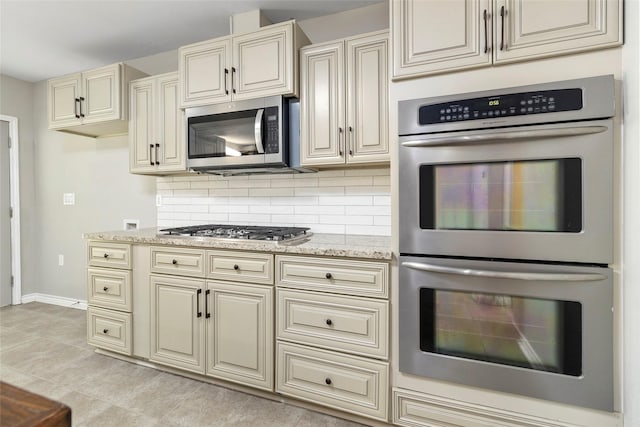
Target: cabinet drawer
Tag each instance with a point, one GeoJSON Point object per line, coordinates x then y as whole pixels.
{"type": "Point", "coordinates": [349, 383]}
{"type": "Point", "coordinates": [240, 266]}
{"type": "Point", "coordinates": [109, 329]}
{"type": "Point", "coordinates": [104, 254]}
{"type": "Point", "coordinates": [183, 262]}
{"type": "Point", "coordinates": [351, 324]}
{"type": "Point", "coordinates": [363, 278]}
{"type": "Point", "coordinates": [109, 288]}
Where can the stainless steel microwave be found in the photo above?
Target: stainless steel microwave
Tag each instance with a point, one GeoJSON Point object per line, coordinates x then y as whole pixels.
{"type": "Point", "coordinates": [253, 136]}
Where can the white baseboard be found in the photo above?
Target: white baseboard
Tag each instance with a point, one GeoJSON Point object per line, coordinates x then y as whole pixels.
{"type": "Point", "coordinates": [55, 300]}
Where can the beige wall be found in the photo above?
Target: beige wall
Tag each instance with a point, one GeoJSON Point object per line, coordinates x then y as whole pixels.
{"type": "Point", "coordinates": [16, 100]}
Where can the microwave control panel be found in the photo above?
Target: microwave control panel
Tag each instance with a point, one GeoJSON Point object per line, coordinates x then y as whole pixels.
{"type": "Point", "coordinates": [513, 104]}
{"type": "Point", "coordinates": [271, 137]}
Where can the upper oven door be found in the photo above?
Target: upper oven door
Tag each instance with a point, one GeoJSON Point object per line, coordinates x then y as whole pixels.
{"type": "Point", "coordinates": [541, 192]}
{"type": "Point", "coordinates": [233, 134]}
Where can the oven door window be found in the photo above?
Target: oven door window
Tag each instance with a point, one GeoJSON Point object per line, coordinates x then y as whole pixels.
{"type": "Point", "coordinates": [528, 195]}
{"type": "Point", "coordinates": [539, 334]}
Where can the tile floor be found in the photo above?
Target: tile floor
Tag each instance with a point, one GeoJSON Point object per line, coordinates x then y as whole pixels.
{"type": "Point", "coordinates": [43, 349]}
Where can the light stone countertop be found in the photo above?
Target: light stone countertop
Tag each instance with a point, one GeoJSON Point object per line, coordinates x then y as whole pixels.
{"type": "Point", "coordinates": [339, 245]}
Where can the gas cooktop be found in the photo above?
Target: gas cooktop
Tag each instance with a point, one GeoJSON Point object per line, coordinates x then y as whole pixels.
{"type": "Point", "coordinates": [247, 232]}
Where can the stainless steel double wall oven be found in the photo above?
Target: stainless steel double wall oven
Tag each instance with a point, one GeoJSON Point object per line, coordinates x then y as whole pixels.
{"type": "Point", "coordinates": [506, 236]}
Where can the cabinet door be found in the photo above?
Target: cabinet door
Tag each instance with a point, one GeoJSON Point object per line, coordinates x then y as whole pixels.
{"type": "Point", "coordinates": [538, 28]}
{"type": "Point", "coordinates": [264, 63]}
{"type": "Point", "coordinates": [177, 326]}
{"type": "Point", "coordinates": [141, 142]}
{"type": "Point", "coordinates": [63, 97]}
{"type": "Point", "coordinates": [204, 70]}
{"type": "Point", "coordinates": [101, 92]}
{"type": "Point", "coordinates": [322, 115]}
{"type": "Point", "coordinates": [367, 99]}
{"type": "Point", "coordinates": [170, 126]}
{"type": "Point", "coordinates": [432, 36]}
{"type": "Point", "coordinates": [240, 333]}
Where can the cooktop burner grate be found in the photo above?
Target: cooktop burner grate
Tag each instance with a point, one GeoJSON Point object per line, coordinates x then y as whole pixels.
{"type": "Point", "coordinates": [248, 232]}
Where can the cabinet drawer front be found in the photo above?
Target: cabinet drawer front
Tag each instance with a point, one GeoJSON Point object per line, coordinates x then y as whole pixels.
{"type": "Point", "coordinates": [363, 278]}
{"type": "Point", "coordinates": [184, 262]}
{"type": "Point", "coordinates": [349, 383]}
{"type": "Point", "coordinates": [109, 288]}
{"type": "Point", "coordinates": [110, 330]}
{"type": "Point", "coordinates": [240, 266]}
{"type": "Point", "coordinates": [351, 324]}
{"type": "Point", "coordinates": [104, 254]}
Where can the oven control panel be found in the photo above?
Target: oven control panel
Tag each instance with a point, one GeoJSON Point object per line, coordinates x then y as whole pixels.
{"type": "Point", "coordinates": [513, 104]}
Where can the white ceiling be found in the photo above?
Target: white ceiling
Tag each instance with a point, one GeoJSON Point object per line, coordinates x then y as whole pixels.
{"type": "Point", "coordinates": [43, 39]}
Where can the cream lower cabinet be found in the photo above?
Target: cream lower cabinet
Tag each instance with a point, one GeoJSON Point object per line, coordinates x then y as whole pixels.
{"type": "Point", "coordinates": [109, 297]}
{"type": "Point", "coordinates": [223, 329]}
{"type": "Point", "coordinates": [156, 126]}
{"type": "Point", "coordinates": [435, 36]}
{"type": "Point", "coordinates": [343, 101]}
{"type": "Point", "coordinates": [333, 333]}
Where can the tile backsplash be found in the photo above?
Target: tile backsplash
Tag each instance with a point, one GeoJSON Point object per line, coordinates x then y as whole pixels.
{"type": "Point", "coordinates": [348, 201]}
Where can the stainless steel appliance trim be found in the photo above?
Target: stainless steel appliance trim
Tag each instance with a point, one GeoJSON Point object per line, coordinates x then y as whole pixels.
{"type": "Point", "coordinates": [515, 275]}
{"type": "Point", "coordinates": [503, 136]}
{"type": "Point", "coordinates": [593, 389]}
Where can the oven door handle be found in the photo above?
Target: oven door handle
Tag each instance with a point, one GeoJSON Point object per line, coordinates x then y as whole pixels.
{"type": "Point", "coordinates": [507, 136]}
{"type": "Point", "coordinates": [257, 131]}
{"type": "Point", "coordinates": [517, 275]}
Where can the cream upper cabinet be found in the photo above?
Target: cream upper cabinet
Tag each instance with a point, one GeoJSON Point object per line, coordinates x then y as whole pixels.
{"type": "Point", "coordinates": [92, 103]}
{"type": "Point", "coordinates": [240, 333]}
{"type": "Point", "coordinates": [252, 65]}
{"type": "Point", "coordinates": [527, 29]}
{"type": "Point", "coordinates": [434, 36]}
{"type": "Point", "coordinates": [344, 101]}
{"type": "Point", "coordinates": [156, 126]}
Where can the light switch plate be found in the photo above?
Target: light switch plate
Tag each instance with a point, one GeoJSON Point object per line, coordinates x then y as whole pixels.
{"type": "Point", "coordinates": [69, 199]}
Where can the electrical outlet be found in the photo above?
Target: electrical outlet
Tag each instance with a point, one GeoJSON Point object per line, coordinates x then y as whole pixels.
{"type": "Point", "coordinates": [61, 260]}
{"type": "Point", "coordinates": [130, 224]}
{"type": "Point", "coordinates": [69, 199]}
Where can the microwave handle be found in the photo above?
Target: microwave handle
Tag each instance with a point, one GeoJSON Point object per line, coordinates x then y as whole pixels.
{"type": "Point", "coordinates": [258, 131]}
{"type": "Point", "coordinates": [507, 136]}
{"type": "Point", "coordinates": [517, 275]}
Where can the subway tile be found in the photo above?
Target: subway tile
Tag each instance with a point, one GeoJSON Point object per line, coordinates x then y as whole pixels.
{"type": "Point", "coordinates": [206, 184]}
{"type": "Point", "coordinates": [295, 201]}
{"type": "Point", "coordinates": [382, 200]}
{"type": "Point", "coordinates": [329, 173]}
{"type": "Point", "coordinates": [319, 191]}
{"type": "Point", "coordinates": [295, 219]}
{"type": "Point", "coordinates": [370, 190]}
{"type": "Point", "coordinates": [367, 171]}
{"type": "Point", "coordinates": [191, 193]}
{"type": "Point", "coordinates": [245, 183]}
{"type": "Point", "coordinates": [361, 210]}
{"type": "Point", "coordinates": [343, 219]}
{"type": "Point", "coordinates": [164, 192]}
{"type": "Point", "coordinates": [248, 200]}
{"type": "Point", "coordinates": [382, 180]}
{"type": "Point", "coordinates": [246, 218]}
{"type": "Point", "coordinates": [351, 200]}
{"type": "Point", "coordinates": [382, 220]}
{"type": "Point", "coordinates": [208, 200]}
{"type": "Point", "coordinates": [282, 183]}
{"type": "Point", "coordinates": [306, 182]}
{"type": "Point", "coordinates": [173, 185]}
{"type": "Point", "coordinates": [189, 178]}
{"type": "Point", "coordinates": [192, 208]}
{"type": "Point", "coordinates": [346, 181]}
{"type": "Point", "coordinates": [232, 192]}
{"type": "Point", "coordinates": [319, 210]}
{"type": "Point", "coordinates": [217, 217]}
{"type": "Point", "coordinates": [271, 209]}
{"type": "Point", "coordinates": [268, 192]}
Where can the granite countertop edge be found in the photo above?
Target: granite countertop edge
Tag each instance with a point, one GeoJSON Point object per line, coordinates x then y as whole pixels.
{"type": "Point", "coordinates": [340, 245]}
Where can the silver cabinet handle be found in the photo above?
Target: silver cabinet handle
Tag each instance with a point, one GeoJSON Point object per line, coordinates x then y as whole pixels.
{"type": "Point", "coordinates": [233, 84]}
{"type": "Point", "coordinates": [76, 103]}
{"type": "Point", "coordinates": [350, 142]}
{"type": "Point", "coordinates": [507, 136]}
{"type": "Point", "coordinates": [516, 275]}
{"type": "Point", "coordinates": [157, 155]}
{"type": "Point", "coordinates": [226, 76]}
{"type": "Point", "coordinates": [340, 141]}
{"type": "Point", "coordinates": [486, 34]}
{"type": "Point", "coordinates": [151, 162]}
{"type": "Point", "coordinates": [257, 131]}
{"type": "Point", "coordinates": [81, 101]}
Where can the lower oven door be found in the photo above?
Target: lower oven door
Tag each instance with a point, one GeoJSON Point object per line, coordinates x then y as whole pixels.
{"type": "Point", "coordinates": [537, 330]}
